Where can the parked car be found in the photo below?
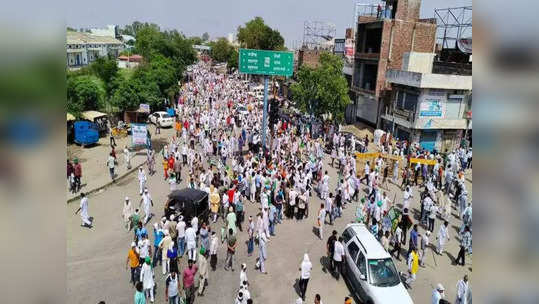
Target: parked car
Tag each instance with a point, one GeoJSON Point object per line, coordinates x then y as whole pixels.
{"type": "Point", "coordinates": [370, 269]}
{"type": "Point", "coordinates": [188, 202]}
{"type": "Point", "coordinates": [162, 118]}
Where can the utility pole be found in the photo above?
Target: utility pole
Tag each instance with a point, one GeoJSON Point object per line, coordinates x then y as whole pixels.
{"type": "Point", "coordinates": [265, 113]}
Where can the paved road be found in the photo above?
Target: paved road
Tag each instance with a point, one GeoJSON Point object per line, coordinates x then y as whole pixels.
{"type": "Point", "coordinates": [96, 257]}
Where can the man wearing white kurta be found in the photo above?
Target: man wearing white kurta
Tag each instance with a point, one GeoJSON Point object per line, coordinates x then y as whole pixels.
{"type": "Point", "coordinates": [462, 291]}
{"type": "Point", "coordinates": [141, 180]}
{"type": "Point", "coordinates": [443, 237]}
{"type": "Point", "coordinates": [190, 239]}
{"type": "Point", "coordinates": [146, 277]}
{"type": "Point", "coordinates": [84, 211]}
{"type": "Point", "coordinates": [147, 201]}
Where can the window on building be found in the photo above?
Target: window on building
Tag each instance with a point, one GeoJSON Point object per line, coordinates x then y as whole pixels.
{"type": "Point", "coordinates": [454, 107]}
{"type": "Point", "coordinates": [410, 101]}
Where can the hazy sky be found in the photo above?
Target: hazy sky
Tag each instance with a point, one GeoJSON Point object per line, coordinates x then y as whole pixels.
{"type": "Point", "coordinates": [220, 17]}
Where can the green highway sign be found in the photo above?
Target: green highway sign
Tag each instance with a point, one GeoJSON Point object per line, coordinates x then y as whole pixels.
{"type": "Point", "coordinates": [266, 62]}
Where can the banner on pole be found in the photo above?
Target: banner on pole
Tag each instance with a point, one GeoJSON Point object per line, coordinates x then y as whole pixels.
{"type": "Point", "coordinates": [139, 134]}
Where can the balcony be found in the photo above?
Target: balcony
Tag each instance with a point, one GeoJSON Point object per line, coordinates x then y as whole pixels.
{"type": "Point", "coordinates": [368, 56]}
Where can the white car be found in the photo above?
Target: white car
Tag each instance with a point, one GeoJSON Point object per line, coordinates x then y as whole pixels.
{"type": "Point", "coordinates": [370, 269]}
{"type": "Point", "coordinates": [162, 119]}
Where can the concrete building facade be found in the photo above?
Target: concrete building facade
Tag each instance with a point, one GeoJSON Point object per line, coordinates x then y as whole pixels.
{"type": "Point", "coordinates": [83, 48]}
{"type": "Point", "coordinates": [380, 44]}
{"type": "Point", "coordinates": [433, 110]}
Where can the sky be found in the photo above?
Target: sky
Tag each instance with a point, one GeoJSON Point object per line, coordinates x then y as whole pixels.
{"type": "Point", "coordinates": [220, 17]}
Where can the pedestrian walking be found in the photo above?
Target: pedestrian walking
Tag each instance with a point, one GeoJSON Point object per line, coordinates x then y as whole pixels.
{"type": "Point", "coordinates": [443, 237]}
{"type": "Point", "coordinates": [172, 287]}
{"type": "Point", "coordinates": [127, 212]}
{"type": "Point", "coordinates": [86, 222]}
{"type": "Point", "coordinates": [262, 254]}
{"type": "Point", "coordinates": [338, 256]}
{"type": "Point", "coordinates": [214, 244]}
{"type": "Point", "coordinates": [306, 267]}
{"type": "Point", "coordinates": [77, 171]}
{"type": "Point", "coordinates": [250, 234]}
{"type": "Point", "coordinates": [147, 201]}
{"type": "Point", "coordinates": [133, 263]}
{"type": "Point", "coordinates": [141, 180]}
{"type": "Point", "coordinates": [202, 271]}
{"type": "Point", "coordinates": [111, 163]}
{"type": "Point", "coordinates": [320, 221]}
{"type": "Point", "coordinates": [397, 238]}
{"type": "Point", "coordinates": [465, 244]}
{"type": "Point", "coordinates": [147, 279]}
{"type": "Point", "coordinates": [127, 158]}
{"type": "Point", "coordinates": [140, 298]}
{"type": "Point", "coordinates": [463, 291]}
{"type": "Point", "coordinates": [231, 250]}
{"type": "Point", "coordinates": [189, 282]}
{"type": "Point", "coordinates": [437, 294]}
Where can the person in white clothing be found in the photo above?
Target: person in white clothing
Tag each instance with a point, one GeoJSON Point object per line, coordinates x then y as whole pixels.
{"type": "Point", "coordinates": [190, 239]}
{"type": "Point", "coordinates": [146, 277]}
{"type": "Point", "coordinates": [127, 212]}
{"type": "Point", "coordinates": [338, 255]}
{"type": "Point", "coordinates": [462, 291]}
{"type": "Point", "coordinates": [141, 180]}
{"type": "Point", "coordinates": [243, 274]}
{"type": "Point", "coordinates": [148, 202]}
{"type": "Point", "coordinates": [437, 294]}
{"type": "Point", "coordinates": [84, 211]}
{"type": "Point", "coordinates": [306, 267]}
{"type": "Point", "coordinates": [443, 237]}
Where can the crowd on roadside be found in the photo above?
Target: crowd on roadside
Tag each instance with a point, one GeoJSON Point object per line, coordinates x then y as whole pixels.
{"type": "Point", "coordinates": [221, 149]}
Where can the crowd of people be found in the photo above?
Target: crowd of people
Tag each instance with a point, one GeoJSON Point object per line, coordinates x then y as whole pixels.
{"type": "Point", "coordinates": [222, 151]}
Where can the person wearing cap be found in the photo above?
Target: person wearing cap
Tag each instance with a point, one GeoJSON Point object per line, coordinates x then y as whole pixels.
{"type": "Point", "coordinates": [437, 294]}
{"type": "Point", "coordinates": [148, 202]}
{"type": "Point", "coordinates": [111, 162]}
{"type": "Point", "coordinates": [243, 274]}
{"type": "Point", "coordinates": [144, 248]}
{"type": "Point", "coordinates": [424, 246]}
{"type": "Point", "coordinates": [214, 202]}
{"type": "Point", "coordinates": [171, 225]}
{"type": "Point", "coordinates": [214, 245]}
{"type": "Point", "coordinates": [163, 246]}
{"type": "Point", "coordinates": [84, 211]}
{"type": "Point", "coordinates": [133, 262]}
{"type": "Point", "coordinates": [190, 239]}
{"type": "Point", "coordinates": [146, 277]}
{"type": "Point", "coordinates": [203, 270]}
{"type": "Point", "coordinates": [443, 237]}
{"type": "Point", "coordinates": [141, 180]}
{"type": "Point", "coordinates": [306, 267]}
{"type": "Point", "coordinates": [127, 213]}
{"type": "Point", "coordinates": [180, 230]}
{"type": "Point", "coordinates": [158, 235]}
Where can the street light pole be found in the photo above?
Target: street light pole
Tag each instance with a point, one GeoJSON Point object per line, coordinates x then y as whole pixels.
{"type": "Point", "coordinates": [265, 113]}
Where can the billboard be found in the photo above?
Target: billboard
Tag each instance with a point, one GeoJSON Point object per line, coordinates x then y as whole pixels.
{"type": "Point", "coordinates": [349, 48]}
{"type": "Point", "coordinates": [339, 46]}
{"type": "Point", "coordinates": [139, 134]}
{"type": "Point", "coordinates": [430, 108]}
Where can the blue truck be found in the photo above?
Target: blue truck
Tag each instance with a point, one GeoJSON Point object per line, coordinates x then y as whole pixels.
{"type": "Point", "coordinates": [86, 132]}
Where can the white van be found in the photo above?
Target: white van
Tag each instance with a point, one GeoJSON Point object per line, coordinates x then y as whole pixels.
{"type": "Point", "coordinates": [370, 269]}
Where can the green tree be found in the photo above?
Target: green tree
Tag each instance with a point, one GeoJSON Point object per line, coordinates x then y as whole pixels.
{"type": "Point", "coordinates": [134, 91]}
{"type": "Point", "coordinates": [84, 93]}
{"type": "Point", "coordinates": [205, 36]}
{"type": "Point", "coordinates": [322, 89]}
{"type": "Point", "coordinates": [105, 68]}
{"type": "Point", "coordinates": [220, 50]}
{"type": "Point", "coordinates": [233, 58]}
{"type": "Point", "coordinates": [196, 40]}
{"type": "Point", "coordinates": [257, 35]}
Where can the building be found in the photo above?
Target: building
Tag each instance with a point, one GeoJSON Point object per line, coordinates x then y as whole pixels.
{"type": "Point", "coordinates": [84, 48]}
{"type": "Point", "coordinates": [432, 109]}
{"type": "Point", "coordinates": [129, 62]}
{"type": "Point", "coordinates": [383, 34]}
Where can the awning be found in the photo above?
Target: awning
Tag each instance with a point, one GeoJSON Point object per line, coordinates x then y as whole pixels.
{"type": "Point", "coordinates": [70, 117]}
{"type": "Point", "coordinates": [91, 115]}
